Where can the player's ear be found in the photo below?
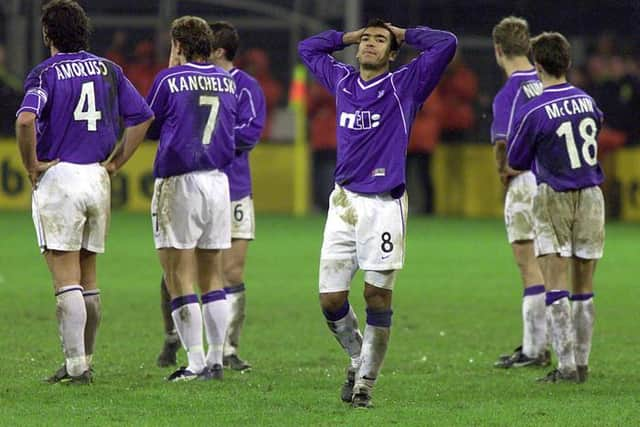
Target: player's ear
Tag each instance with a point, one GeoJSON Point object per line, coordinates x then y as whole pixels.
{"type": "Point", "coordinates": [175, 45]}
{"type": "Point", "coordinates": [45, 38]}
{"type": "Point", "coordinates": [393, 55]}
{"type": "Point", "coordinates": [538, 68]}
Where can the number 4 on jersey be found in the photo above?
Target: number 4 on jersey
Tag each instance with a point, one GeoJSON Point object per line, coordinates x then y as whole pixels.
{"type": "Point", "coordinates": [91, 115]}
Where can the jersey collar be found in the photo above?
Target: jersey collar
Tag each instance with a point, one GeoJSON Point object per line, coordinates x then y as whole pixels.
{"type": "Point", "coordinates": [364, 85]}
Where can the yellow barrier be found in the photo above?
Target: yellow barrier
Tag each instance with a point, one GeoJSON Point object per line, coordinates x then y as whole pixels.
{"type": "Point", "coordinates": [625, 178]}
{"type": "Point", "coordinates": [466, 183]}
{"type": "Point", "coordinates": [131, 190]}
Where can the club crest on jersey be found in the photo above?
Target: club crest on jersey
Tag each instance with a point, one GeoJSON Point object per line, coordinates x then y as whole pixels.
{"type": "Point", "coordinates": [380, 93]}
{"type": "Point", "coordinates": [359, 120]}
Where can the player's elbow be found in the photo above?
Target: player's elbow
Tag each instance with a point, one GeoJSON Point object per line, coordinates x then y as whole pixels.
{"type": "Point", "coordinates": [451, 45]}
{"type": "Point", "coordinates": [25, 120]}
{"type": "Point", "coordinates": [305, 50]}
{"type": "Point", "coordinates": [301, 48]}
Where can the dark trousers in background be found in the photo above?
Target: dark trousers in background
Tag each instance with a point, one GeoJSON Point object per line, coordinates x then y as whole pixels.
{"type": "Point", "coordinates": [323, 167]}
{"type": "Point", "coordinates": [420, 183]}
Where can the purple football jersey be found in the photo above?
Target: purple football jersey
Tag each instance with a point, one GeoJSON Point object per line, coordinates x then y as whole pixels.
{"type": "Point", "coordinates": [81, 102]}
{"type": "Point", "coordinates": [195, 109]}
{"type": "Point", "coordinates": [252, 112]}
{"type": "Point", "coordinates": [520, 87]}
{"type": "Point", "coordinates": [557, 132]}
{"type": "Point", "coordinates": [374, 117]}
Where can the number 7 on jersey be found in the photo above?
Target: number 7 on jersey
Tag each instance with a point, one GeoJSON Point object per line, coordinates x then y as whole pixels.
{"type": "Point", "coordinates": [210, 126]}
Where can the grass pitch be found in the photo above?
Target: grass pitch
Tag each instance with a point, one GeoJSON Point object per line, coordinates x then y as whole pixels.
{"type": "Point", "coordinates": [456, 304]}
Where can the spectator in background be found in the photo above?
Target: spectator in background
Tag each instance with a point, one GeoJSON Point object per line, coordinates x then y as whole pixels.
{"type": "Point", "coordinates": [425, 135]}
{"type": "Point", "coordinates": [617, 92]}
{"type": "Point", "coordinates": [458, 91]}
{"type": "Point", "coordinates": [10, 94]}
{"type": "Point", "coordinates": [144, 67]}
{"type": "Point", "coordinates": [256, 62]}
{"type": "Point", "coordinates": [321, 109]}
{"type": "Point", "coordinates": [116, 51]}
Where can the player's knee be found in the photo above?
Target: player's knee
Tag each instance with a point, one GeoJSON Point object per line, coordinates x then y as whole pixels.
{"type": "Point", "coordinates": [527, 263]}
{"type": "Point", "coordinates": [333, 301]}
{"type": "Point", "coordinates": [234, 275]}
{"type": "Point", "coordinates": [378, 288]}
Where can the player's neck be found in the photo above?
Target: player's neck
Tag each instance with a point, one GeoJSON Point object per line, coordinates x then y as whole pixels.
{"type": "Point", "coordinates": [367, 74]}
{"type": "Point", "coordinates": [224, 64]}
{"type": "Point", "coordinates": [54, 51]}
{"type": "Point", "coordinates": [548, 81]}
{"type": "Point", "coordinates": [198, 60]}
{"type": "Point", "coordinates": [515, 64]}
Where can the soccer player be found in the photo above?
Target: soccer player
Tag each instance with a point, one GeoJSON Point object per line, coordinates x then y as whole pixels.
{"type": "Point", "coordinates": [511, 45]}
{"type": "Point", "coordinates": [251, 118]}
{"type": "Point", "coordinates": [195, 107]}
{"type": "Point", "coordinates": [557, 133]}
{"type": "Point", "coordinates": [67, 126]}
{"type": "Point", "coordinates": [366, 222]}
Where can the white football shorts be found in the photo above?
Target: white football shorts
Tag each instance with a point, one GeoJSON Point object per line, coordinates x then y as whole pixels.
{"type": "Point", "coordinates": [518, 207]}
{"type": "Point", "coordinates": [192, 210]}
{"type": "Point", "coordinates": [569, 223]}
{"type": "Point", "coordinates": [71, 207]}
{"type": "Point", "coordinates": [363, 231]}
{"type": "Point", "coordinates": [243, 220]}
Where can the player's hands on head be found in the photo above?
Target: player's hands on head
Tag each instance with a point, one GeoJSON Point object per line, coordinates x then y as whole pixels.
{"type": "Point", "coordinates": [38, 169]}
{"type": "Point", "coordinates": [397, 32]}
{"type": "Point", "coordinates": [352, 37]}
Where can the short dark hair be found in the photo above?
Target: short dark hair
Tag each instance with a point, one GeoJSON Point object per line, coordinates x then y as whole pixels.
{"type": "Point", "coordinates": [194, 36]}
{"type": "Point", "coordinates": [66, 25]}
{"type": "Point", "coordinates": [226, 37]}
{"type": "Point", "coordinates": [512, 35]}
{"type": "Point", "coordinates": [379, 23]}
{"type": "Point", "coordinates": [553, 52]}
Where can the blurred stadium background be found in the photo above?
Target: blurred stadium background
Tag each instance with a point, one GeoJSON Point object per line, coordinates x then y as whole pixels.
{"type": "Point", "coordinates": [450, 161]}
{"type": "Point", "coordinates": [458, 303]}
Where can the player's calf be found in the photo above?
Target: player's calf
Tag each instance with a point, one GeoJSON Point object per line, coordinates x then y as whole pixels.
{"type": "Point", "coordinates": [237, 302]}
{"type": "Point", "coordinates": [171, 345]}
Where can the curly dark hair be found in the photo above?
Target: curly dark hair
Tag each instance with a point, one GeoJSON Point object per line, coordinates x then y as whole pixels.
{"type": "Point", "coordinates": [194, 36]}
{"type": "Point", "coordinates": [226, 37]}
{"type": "Point", "coordinates": [66, 25]}
{"type": "Point", "coordinates": [379, 23]}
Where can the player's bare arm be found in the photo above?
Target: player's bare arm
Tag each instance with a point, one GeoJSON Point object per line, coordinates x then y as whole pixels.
{"type": "Point", "coordinates": [398, 32]}
{"type": "Point", "coordinates": [132, 138]}
{"type": "Point", "coordinates": [504, 171]}
{"type": "Point", "coordinates": [352, 37]}
{"type": "Point", "coordinates": [26, 134]}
